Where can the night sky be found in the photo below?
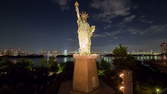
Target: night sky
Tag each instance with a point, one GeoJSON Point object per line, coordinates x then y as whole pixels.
{"type": "Point", "coordinates": [51, 24]}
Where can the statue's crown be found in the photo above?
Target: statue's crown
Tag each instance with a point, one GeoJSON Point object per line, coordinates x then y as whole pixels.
{"type": "Point", "coordinates": [84, 15]}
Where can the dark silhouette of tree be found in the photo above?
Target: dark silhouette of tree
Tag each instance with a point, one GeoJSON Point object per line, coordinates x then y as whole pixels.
{"type": "Point", "coordinates": [120, 51]}
{"type": "Point", "coordinates": [43, 63]}
{"type": "Point", "coordinates": [103, 67]}
{"type": "Point", "coordinates": [122, 60]}
{"type": "Point", "coordinates": [52, 64]}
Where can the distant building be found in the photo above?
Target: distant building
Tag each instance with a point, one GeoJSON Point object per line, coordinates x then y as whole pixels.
{"type": "Point", "coordinates": [1, 54]}
{"type": "Point", "coordinates": [43, 52]}
{"type": "Point", "coordinates": [144, 53]}
{"type": "Point", "coordinates": [51, 53]}
{"type": "Point", "coordinates": [13, 52]}
{"type": "Point", "coordinates": [163, 48]}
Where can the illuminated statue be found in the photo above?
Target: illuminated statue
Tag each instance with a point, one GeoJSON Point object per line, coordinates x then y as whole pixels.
{"type": "Point", "coordinates": [85, 31]}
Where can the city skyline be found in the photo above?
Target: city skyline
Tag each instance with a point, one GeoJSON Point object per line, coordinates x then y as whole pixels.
{"type": "Point", "coordinates": [51, 24]}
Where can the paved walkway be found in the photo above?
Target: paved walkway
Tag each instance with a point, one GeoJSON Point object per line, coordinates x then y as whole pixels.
{"type": "Point", "coordinates": [66, 88]}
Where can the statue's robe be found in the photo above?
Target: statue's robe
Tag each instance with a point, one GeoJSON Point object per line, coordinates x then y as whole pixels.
{"type": "Point", "coordinates": [84, 36]}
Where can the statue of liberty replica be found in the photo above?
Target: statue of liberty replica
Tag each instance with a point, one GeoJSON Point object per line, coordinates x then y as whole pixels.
{"type": "Point", "coordinates": [85, 31]}
{"type": "Point", "coordinates": [85, 77]}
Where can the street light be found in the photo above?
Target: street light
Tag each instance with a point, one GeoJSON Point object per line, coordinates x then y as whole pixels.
{"type": "Point", "coordinates": [122, 88]}
{"type": "Point", "coordinates": [121, 75]}
{"type": "Point", "coordinates": [157, 90]}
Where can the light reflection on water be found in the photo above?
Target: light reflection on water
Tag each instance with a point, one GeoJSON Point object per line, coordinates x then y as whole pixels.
{"type": "Point", "coordinates": [36, 60]}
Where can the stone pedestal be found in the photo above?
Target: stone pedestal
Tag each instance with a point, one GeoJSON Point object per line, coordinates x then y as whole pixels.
{"type": "Point", "coordinates": [85, 77]}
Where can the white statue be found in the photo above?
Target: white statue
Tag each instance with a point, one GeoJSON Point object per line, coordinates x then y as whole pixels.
{"type": "Point", "coordinates": [85, 31]}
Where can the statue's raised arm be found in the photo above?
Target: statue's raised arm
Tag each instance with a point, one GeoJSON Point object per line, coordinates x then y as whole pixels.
{"type": "Point", "coordinates": [77, 10]}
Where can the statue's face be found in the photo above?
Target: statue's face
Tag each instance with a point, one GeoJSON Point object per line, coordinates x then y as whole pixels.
{"type": "Point", "coordinates": [84, 17]}
{"type": "Point", "coordinates": [84, 20]}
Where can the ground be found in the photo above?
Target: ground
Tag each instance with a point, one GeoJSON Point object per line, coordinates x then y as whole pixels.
{"type": "Point", "coordinates": [66, 88]}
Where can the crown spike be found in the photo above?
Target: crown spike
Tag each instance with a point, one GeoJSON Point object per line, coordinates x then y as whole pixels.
{"type": "Point", "coordinates": [84, 16]}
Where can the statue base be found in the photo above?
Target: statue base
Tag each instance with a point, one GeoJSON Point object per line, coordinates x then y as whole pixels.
{"type": "Point", "coordinates": [85, 78]}
{"type": "Point", "coordinates": [66, 88]}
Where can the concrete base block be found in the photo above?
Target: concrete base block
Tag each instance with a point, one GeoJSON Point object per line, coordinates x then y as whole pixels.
{"type": "Point", "coordinates": [85, 78]}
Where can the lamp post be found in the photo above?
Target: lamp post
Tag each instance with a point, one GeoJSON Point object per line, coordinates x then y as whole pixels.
{"type": "Point", "coordinates": [126, 84]}
{"type": "Point", "coordinates": [157, 90]}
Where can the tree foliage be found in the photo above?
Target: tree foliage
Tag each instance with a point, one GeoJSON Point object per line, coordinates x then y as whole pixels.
{"type": "Point", "coordinates": [120, 51]}
{"type": "Point", "coordinates": [122, 60]}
